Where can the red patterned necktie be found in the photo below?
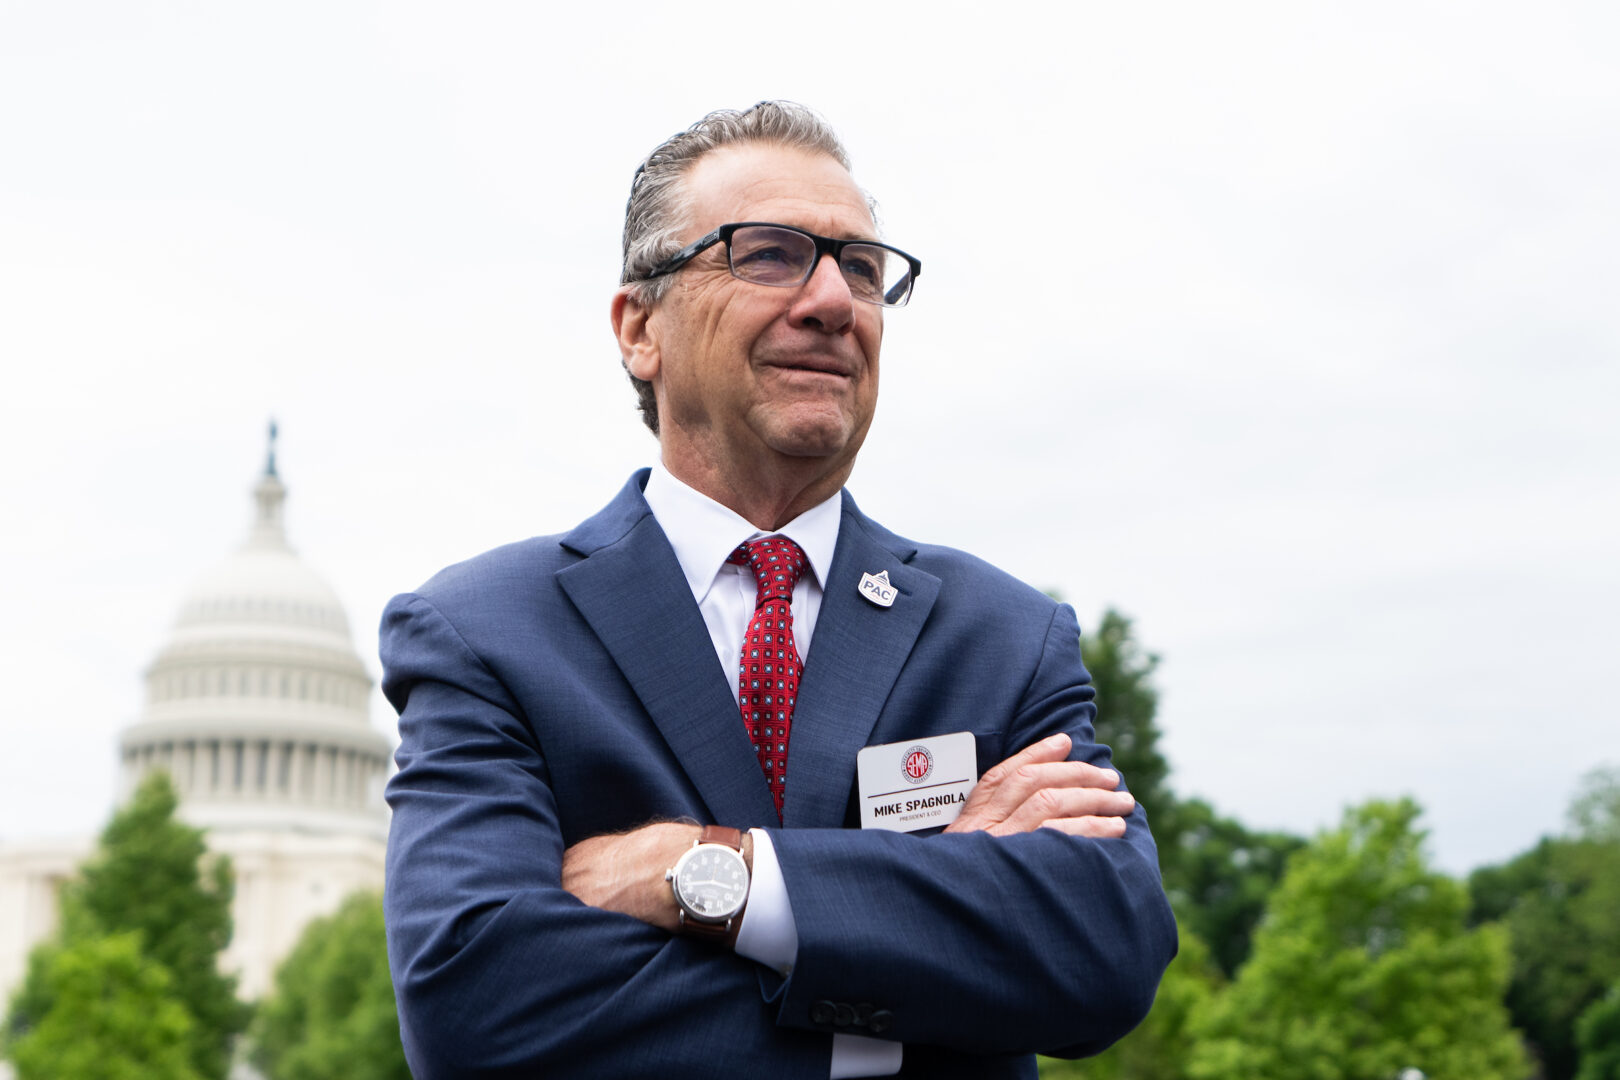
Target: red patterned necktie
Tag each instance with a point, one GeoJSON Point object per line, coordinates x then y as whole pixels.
{"type": "Point", "coordinates": [768, 678]}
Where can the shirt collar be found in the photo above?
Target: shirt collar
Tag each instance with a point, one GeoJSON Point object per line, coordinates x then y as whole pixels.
{"type": "Point", "coordinates": [704, 533]}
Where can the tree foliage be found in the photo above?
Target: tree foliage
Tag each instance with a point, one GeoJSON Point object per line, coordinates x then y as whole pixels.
{"type": "Point", "coordinates": [113, 1015]}
{"type": "Point", "coordinates": [1597, 1034]}
{"type": "Point", "coordinates": [1559, 902]}
{"type": "Point", "coordinates": [332, 1015]}
{"type": "Point", "coordinates": [1218, 876]}
{"type": "Point", "coordinates": [145, 884]}
{"type": "Point", "coordinates": [1217, 872]}
{"type": "Point", "coordinates": [1598, 1037]}
{"type": "Point", "coordinates": [1127, 701]}
{"type": "Point", "coordinates": [1594, 812]}
{"type": "Point", "coordinates": [1362, 968]}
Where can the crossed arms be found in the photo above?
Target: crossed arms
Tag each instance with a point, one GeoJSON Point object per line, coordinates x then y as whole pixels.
{"type": "Point", "coordinates": [1038, 787]}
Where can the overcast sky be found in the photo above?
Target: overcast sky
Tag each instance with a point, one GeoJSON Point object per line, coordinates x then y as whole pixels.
{"type": "Point", "coordinates": [1289, 330]}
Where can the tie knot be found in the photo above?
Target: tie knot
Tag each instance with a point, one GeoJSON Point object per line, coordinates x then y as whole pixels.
{"type": "Point", "coordinates": [777, 562]}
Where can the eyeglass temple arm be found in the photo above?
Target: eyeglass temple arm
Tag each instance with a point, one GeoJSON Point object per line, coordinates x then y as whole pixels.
{"type": "Point", "coordinates": [685, 255]}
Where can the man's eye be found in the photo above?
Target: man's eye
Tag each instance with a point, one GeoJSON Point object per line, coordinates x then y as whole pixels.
{"type": "Point", "coordinates": [862, 267]}
{"type": "Point", "coordinates": [763, 256]}
{"type": "Point", "coordinates": [772, 264]}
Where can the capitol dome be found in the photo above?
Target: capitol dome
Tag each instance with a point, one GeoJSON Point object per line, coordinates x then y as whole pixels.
{"type": "Point", "coordinates": [257, 707]}
{"type": "Point", "coordinates": [257, 703]}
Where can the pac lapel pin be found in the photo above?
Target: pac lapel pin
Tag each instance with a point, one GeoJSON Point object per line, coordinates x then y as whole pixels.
{"type": "Point", "coordinates": [876, 588]}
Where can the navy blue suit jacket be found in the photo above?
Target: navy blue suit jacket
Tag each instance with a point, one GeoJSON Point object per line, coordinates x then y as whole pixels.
{"type": "Point", "coordinates": [564, 687]}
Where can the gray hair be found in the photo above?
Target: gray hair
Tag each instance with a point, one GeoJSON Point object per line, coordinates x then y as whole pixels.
{"type": "Point", "coordinates": [659, 203]}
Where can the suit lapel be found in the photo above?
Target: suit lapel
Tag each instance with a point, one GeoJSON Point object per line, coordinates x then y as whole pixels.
{"type": "Point", "coordinates": [630, 589]}
{"type": "Point", "coordinates": [856, 654]}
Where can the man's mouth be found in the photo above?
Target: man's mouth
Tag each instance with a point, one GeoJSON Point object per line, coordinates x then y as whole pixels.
{"type": "Point", "coordinates": [817, 365]}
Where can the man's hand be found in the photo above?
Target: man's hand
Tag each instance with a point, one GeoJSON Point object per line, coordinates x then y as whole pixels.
{"type": "Point", "coordinates": [624, 872]}
{"type": "Point", "coordinates": [1037, 788]}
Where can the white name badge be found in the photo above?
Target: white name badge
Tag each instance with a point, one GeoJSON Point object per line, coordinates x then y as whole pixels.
{"type": "Point", "coordinates": [916, 784]}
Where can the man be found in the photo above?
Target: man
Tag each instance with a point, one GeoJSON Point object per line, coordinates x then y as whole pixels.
{"type": "Point", "coordinates": [569, 710]}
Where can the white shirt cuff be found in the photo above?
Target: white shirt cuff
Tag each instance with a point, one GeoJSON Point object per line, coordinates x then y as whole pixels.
{"type": "Point", "coordinates": [857, 1055]}
{"type": "Point", "coordinates": [767, 934]}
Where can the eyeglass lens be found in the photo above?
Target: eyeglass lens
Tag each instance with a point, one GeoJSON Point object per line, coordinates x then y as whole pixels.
{"type": "Point", "coordinates": [767, 255]}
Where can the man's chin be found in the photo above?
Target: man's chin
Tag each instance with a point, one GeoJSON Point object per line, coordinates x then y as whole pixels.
{"type": "Point", "coordinates": [823, 437]}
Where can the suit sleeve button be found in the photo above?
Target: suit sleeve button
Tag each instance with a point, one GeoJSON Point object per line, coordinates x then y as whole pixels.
{"type": "Point", "coordinates": [863, 1014]}
{"type": "Point", "coordinates": [844, 1015]}
{"type": "Point", "coordinates": [822, 1012]}
{"type": "Point", "coordinates": [882, 1020]}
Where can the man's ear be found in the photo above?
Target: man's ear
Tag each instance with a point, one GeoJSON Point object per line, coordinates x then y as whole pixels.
{"type": "Point", "coordinates": [637, 344]}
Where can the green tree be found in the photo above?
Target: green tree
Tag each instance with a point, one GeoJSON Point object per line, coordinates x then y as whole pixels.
{"type": "Point", "coordinates": [1494, 891]}
{"type": "Point", "coordinates": [1363, 967]}
{"type": "Point", "coordinates": [1217, 872]}
{"type": "Point", "coordinates": [1594, 812]}
{"type": "Point", "coordinates": [1219, 876]}
{"type": "Point", "coordinates": [1597, 1033]}
{"type": "Point", "coordinates": [332, 1014]}
{"type": "Point", "coordinates": [1159, 1048]}
{"type": "Point", "coordinates": [1558, 901]}
{"type": "Point", "coordinates": [1127, 703]}
{"type": "Point", "coordinates": [1566, 942]}
{"type": "Point", "coordinates": [147, 878]}
{"type": "Point", "coordinates": [112, 1016]}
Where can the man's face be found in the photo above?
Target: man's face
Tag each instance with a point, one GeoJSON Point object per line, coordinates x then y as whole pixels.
{"type": "Point", "coordinates": [746, 371]}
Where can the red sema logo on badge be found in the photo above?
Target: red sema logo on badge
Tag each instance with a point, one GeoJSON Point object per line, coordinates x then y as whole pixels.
{"type": "Point", "coordinates": [918, 764]}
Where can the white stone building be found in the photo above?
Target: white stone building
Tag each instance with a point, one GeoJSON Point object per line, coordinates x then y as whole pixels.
{"type": "Point", "coordinates": [256, 705]}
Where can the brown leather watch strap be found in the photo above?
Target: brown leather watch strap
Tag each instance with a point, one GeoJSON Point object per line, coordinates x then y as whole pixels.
{"type": "Point", "coordinates": [722, 834]}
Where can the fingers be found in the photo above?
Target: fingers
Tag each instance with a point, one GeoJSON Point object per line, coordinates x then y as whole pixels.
{"type": "Point", "coordinates": [1051, 801]}
{"type": "Point", "coordinates": [1098, 828]}
{"type": "Point", "coordinates": [998, 793]}
{"type": "Point", "coordinates": [1037, 786]}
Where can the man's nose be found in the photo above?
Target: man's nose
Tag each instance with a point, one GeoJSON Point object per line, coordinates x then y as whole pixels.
{"type": "Point", "coordinates": [824, 300]}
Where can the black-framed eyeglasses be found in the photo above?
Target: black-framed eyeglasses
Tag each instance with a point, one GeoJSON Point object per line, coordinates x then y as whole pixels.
{"type": "Point", "coordinates": [765, 253]}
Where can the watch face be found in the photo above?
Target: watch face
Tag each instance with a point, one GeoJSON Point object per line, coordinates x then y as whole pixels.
{"type": "Point", "coordinates": [711, 882]}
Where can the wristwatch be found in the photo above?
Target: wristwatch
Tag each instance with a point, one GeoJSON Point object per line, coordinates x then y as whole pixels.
{"type": "Point", "coordinates": [710, 882]}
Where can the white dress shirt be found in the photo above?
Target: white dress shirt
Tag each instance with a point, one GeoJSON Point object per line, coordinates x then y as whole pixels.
{"type": "Point", "coordinates": [703, 534]}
